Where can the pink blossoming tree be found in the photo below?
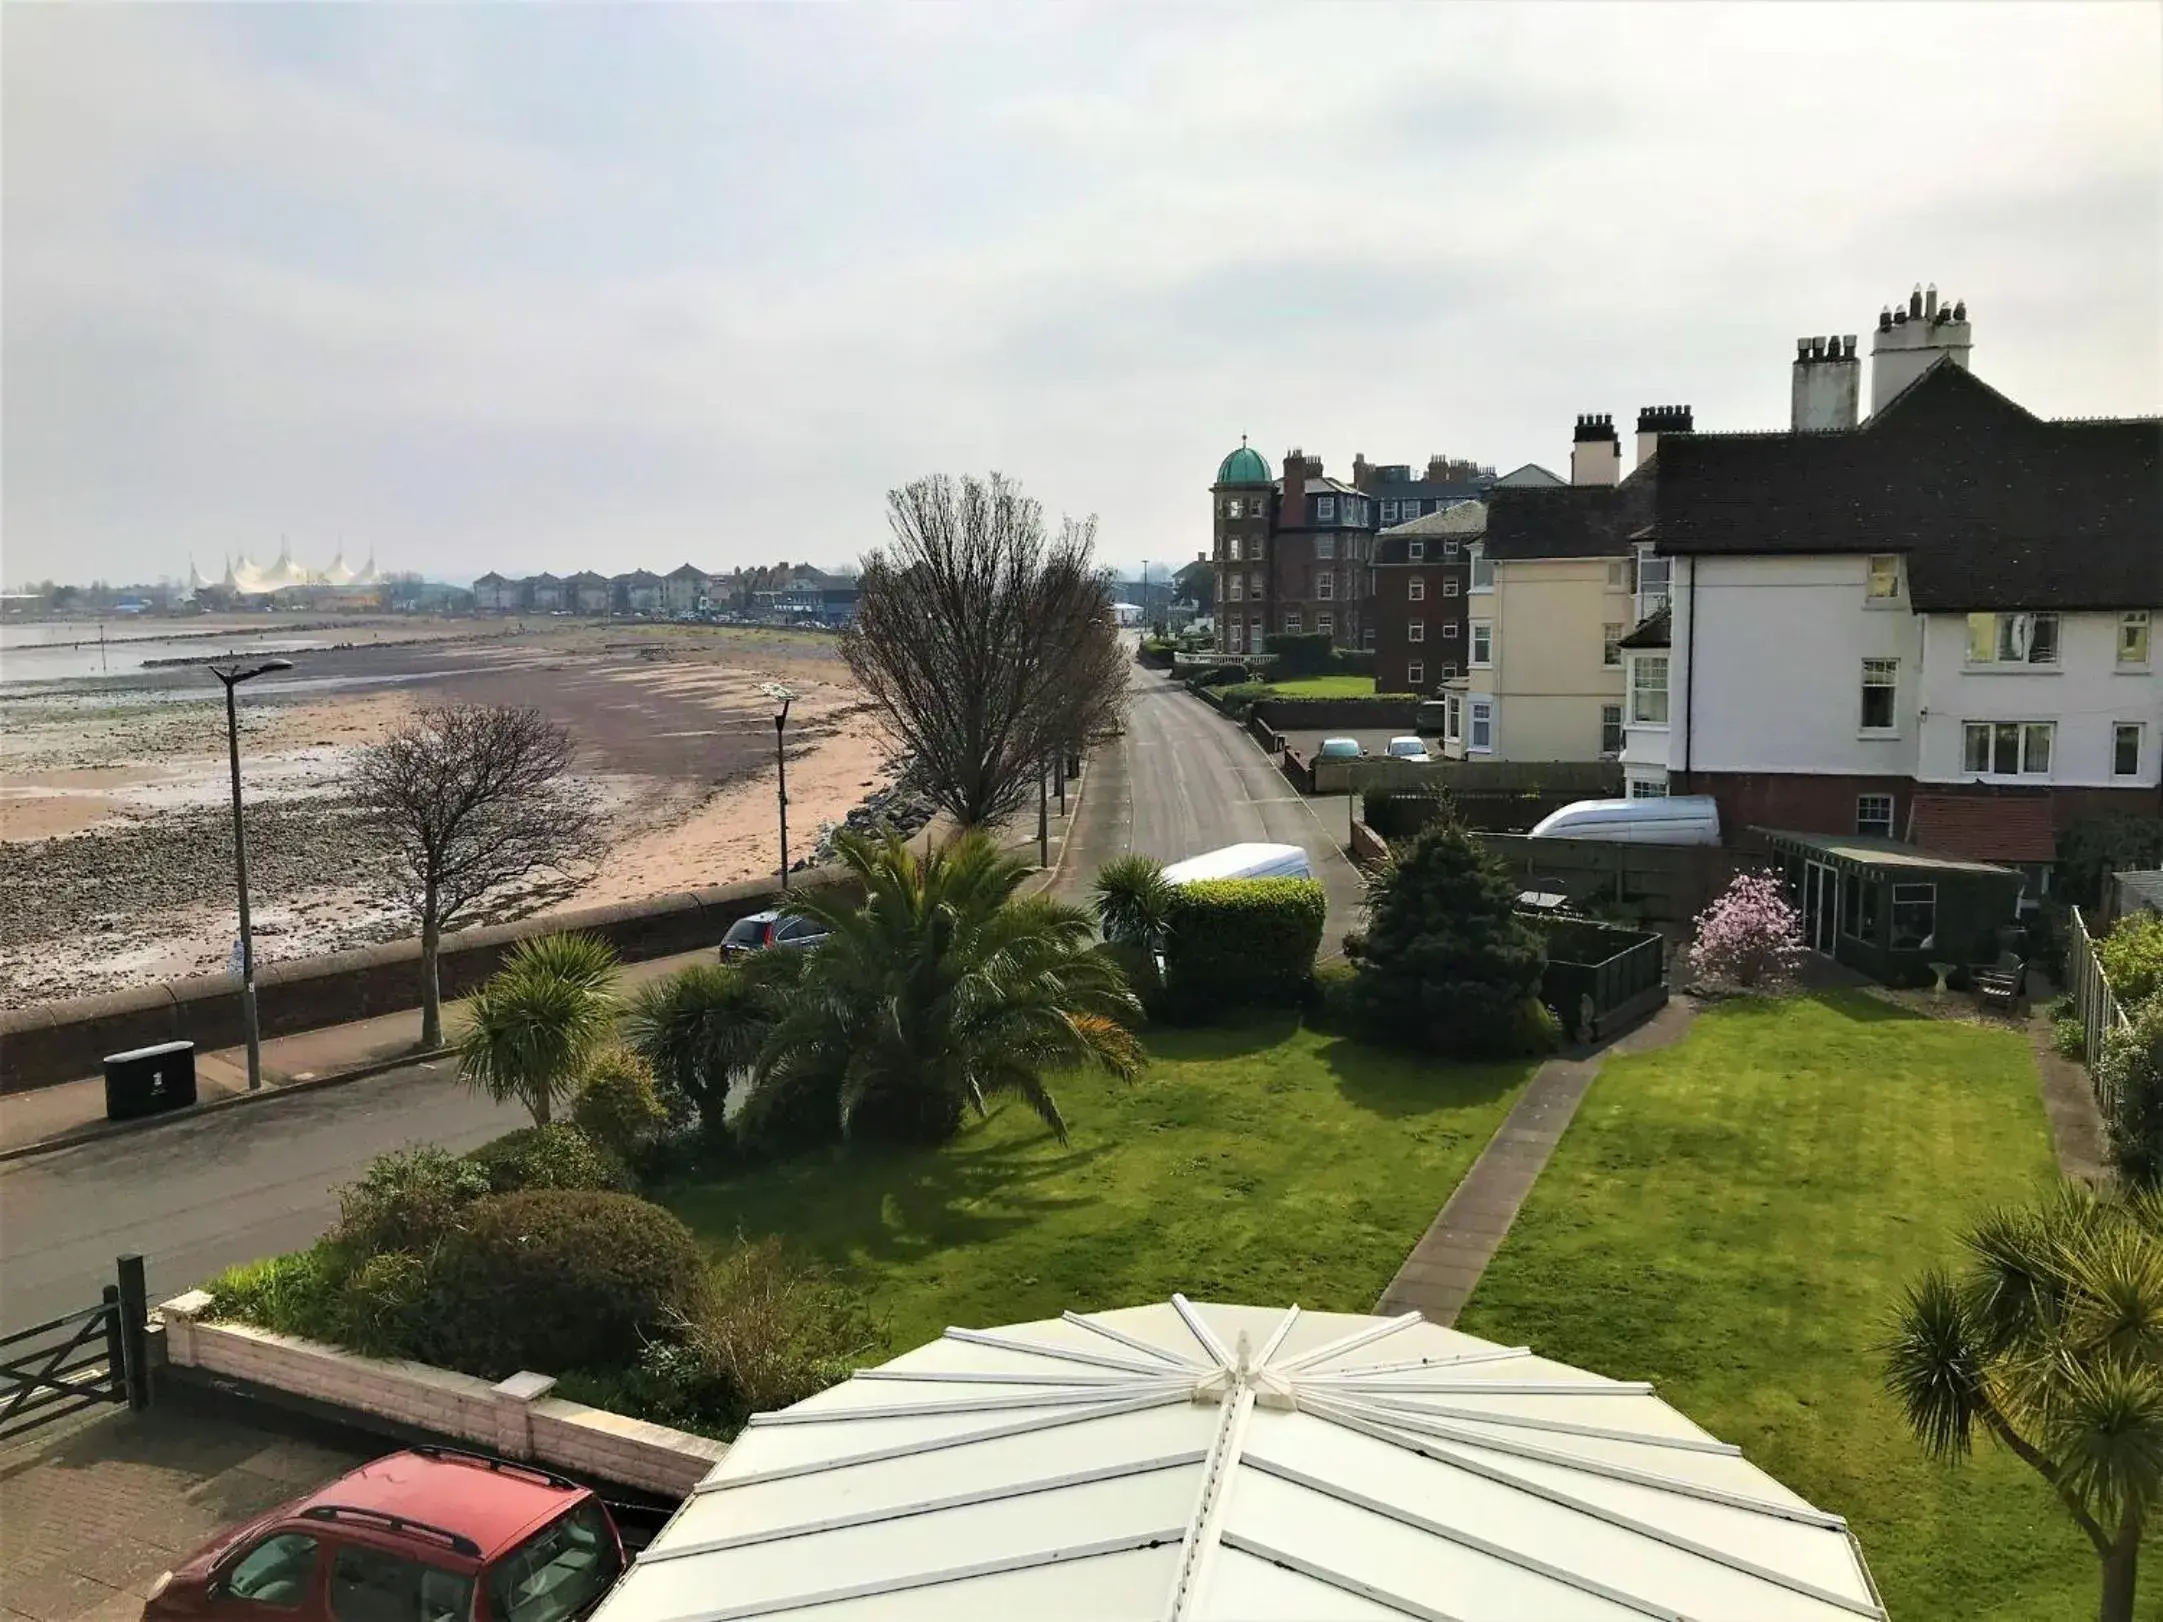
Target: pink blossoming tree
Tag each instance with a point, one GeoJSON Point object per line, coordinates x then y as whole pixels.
{"type": "Point", "coordinates": [1751, 936]}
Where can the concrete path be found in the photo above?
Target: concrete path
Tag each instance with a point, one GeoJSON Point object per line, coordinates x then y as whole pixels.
{"type": "Point", "coordinates": [1444, 1267]}
{"type": "Point", "coordinates": [2076, 1124]}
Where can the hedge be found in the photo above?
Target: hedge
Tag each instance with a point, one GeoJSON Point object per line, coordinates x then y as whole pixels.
{"type": "Point", "coordinates": [1236, 941]}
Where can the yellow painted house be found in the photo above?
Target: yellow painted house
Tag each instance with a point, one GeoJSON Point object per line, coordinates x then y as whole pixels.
{"type": "Point", "coordinates": [1559, 578]}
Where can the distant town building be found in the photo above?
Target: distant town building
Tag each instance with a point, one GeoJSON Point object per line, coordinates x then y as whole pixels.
{"type": "Point", "coordinates": [684, 589]}
{"type": "Point", "coordinates": [588, 593]}
{"type": "Point", "coordinates": [495, 594]}
{"type": "Point", "coordinates": [639, 592]}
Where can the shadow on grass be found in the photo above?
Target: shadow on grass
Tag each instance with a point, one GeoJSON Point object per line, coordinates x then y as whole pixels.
{"type": "Point", "coordinates": [1255, 1033]}
{"type": "Point", "coordinates": [1400, 1085]}
{"type": "Point", "coordinates": [858, 1204]}
{"type": "Point", "coordinates": [1858, 1006]}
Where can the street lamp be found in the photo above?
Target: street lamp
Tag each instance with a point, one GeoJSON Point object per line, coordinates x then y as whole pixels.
{"type": "Point", "coordinates": [233, 677]}
{"type": "Point", "coordinates": [781, 696]}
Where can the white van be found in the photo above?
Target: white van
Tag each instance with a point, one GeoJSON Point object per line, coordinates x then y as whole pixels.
{"type": "Point", "coordinates": [1243, 862]}
{"type": "Point", "coordinates": [1682, 819]}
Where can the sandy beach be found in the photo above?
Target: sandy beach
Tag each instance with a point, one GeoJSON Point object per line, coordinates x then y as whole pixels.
{"type": "Point", "coordinates": [116, 863]}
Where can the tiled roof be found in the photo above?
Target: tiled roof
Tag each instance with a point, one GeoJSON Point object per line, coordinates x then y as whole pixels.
{"type": "Point", "coordinates": [1466, 518]}
{"type": "Point", "coordinates": [1530, 476]}
{"type": "Point", "coordinates": [1986, 827]}
{"type": "Point", "coordinates": [1573, 521]}
{"type": "Point", "coordinates": [1656, 631]}
{"type": "Point", "coordinates": [1994, 507]}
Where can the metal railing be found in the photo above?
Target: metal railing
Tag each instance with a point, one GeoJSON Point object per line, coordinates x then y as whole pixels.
{"type": "Point", "coordinates": [2098, 1007]}
{"type": "Point", "coordinates": [79, 1359]}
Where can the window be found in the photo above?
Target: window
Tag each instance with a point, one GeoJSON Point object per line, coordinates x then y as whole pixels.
{"type": "Point", "coordinates": [1231, 508]}
{"type": "Point", "coordinates": [1483, 724]}
{"type": "Point", "coordinates": [2133, 637]}
{"type": "Point", "coordinates": [1254, 585]}
{"type": "Point", "coordinates": [1874, 815]}
{"type": "Point", "coordinates": [1291, 622]}
{"type": "Point", "coordinates": [1449, 667]}
{"type": "Point", "coordinates": [1366, 636]}
{"type": "Point", "coordinates": [1648, 689]}
{"type": "Point", "coordinates": [1415, 674]}
{"type": "Point", "coordinates": [558, 1572]}
{"type": "Point", "coordinates": [2012, 639]}
{"type": "Point", "coordinates": [1653, 573]}
{"type": "Point", "coordinates": [278, 1571]}
{"type": "Point", "coordinates": [1415, 588]}
{"type": "Point", "coordinates": [1618, 574]}
{"type": "Point", "coordinates": [1449, 630]}
{"type": "Point", "coordinates": [1648, 788]}
{"type": "Point", "coordinates": [1254, 634]}
{"type": "Point", "coordinates": [1453, 718]}
{"type": "Point", "coordinates": [1415, 551]}
{"type": "Point", "coordinates": [1233, 635]}
{"type": "Point", "coordinates": [1859, 907]}
{"type": "Point", "coordinates": [1239, 587]}
{"type": "Point", "coordinates": [1231, 548]}
{"type": "Point", "coordinates": [1881, 682]}
{"type": "Point", "coordinates": [2125, 749]}
{"type": "Point", "coordinates": [1483, 643]}
{"type": "Point", "coordinates": [1610, 729]}
{"type": "Point", "coordinates": [1325, 546]}
{"type": "Point", "coordinates": [2006, 748]}
{"type": "Point", "coordinates": [1884, 577]}
{"type": "Point", "coordinates": [1415, 631]}
{"type": "Point", "coordinates": [1326, 624]}
{"type": "Point", "coordinates": [373, 1585]}
{"type": "Point", "coordinates": [1389, 512]}
{"type": "Point", "coordinates": [1411, 511]}
{"type": "Point", "coordinates": [1611, 646]}
{"type": "Point", "coordinates": [1325, 509]}
{"type": "Point", "coordinates": [1915, 916]}
{"type": "Point", "coordinates": [1325, 585]}
{"type": "Point", "coordinates": [1483, 569]}
{"type": "Point", "coordinates": [1449, 588]}
{"type": "Point", "coordinates": [1449, 549]}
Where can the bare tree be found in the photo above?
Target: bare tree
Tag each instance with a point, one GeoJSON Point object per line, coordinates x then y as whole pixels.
{"type": "Point", "coordinates": [471, 803]}
{"type": "Point", "coordinates": [988, 646]}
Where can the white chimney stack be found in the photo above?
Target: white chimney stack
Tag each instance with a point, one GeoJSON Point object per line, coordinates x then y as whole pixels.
{"type": "Point", "coordinates": [1911, 337]}
{"type": "Point", "coordinates": [1595, 453]}
{"type": "Point", "coordinates": [1828, 384]}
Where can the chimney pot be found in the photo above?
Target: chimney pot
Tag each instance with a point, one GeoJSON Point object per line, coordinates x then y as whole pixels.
{"type": "Point", "coordinates": [1915, 301]}
{"type": "Point", "coordinates": [1960, 310]}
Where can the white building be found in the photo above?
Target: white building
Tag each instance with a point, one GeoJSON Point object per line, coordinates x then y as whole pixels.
{"type": "Point", "coordinates": [1874, 626]}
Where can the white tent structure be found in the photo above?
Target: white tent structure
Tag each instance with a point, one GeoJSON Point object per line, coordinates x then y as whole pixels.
{"type": "Point", "coordinates": [1193, 1461]}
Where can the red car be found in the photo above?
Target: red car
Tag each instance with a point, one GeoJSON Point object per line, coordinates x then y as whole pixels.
{"type": "Point", "coordinates": [428, 1535]}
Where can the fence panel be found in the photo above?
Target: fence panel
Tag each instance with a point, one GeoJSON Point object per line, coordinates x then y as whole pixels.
{"type": "Point", "coordinates": [2091, 994]}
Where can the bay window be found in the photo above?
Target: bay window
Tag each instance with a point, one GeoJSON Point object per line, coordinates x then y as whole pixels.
{"type": "Point", "coordinates": [1483, 725]}
{"type": "Point", "coordinates": [1483, 643]}
{"type": "Point", "coordinates": [1648, 689]}
{"type": "Point", "coordinates": [1483, 568]}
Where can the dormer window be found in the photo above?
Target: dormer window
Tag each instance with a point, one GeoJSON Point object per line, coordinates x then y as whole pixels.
{"type": "Point", "coordinates": [2133, 637]}
{"type": "Point", "coordinates": [1884, 577]}
{"type": "Point", "coordinates": [1325, 509]}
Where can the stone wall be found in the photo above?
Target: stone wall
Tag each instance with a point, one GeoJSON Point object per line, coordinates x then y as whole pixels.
{"type": "Point", "coordinates": [58, 1042]}
{"type": "Point", "coordinates": [514, 1418]}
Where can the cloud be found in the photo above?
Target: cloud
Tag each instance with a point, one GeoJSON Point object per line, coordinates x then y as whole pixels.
{"type": "Point", "coordinates": [548, 287]}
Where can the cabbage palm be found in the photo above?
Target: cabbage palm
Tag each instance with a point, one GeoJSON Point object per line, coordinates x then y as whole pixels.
{"type": "Point", "coordinates": [1133, 900]}
{"type": "Point", "coordinates": [2051, 1339]}
{"type": "Point", "coordinates": [701, 1027]}
{"type": "Point", "coordinates": [533, 1025]}
{"type": "Point", "coordinates": [941, 992]}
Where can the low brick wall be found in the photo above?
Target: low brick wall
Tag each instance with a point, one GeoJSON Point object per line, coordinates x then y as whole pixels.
{"type": "Point", "coordinates": [1264, 734]}
{"type": "Point", "coordinates": [58, 1042]}
{"type": "Point", "coordinates": [1367, 845]}
{"type": "Point", "coordinates": [514, 1418]}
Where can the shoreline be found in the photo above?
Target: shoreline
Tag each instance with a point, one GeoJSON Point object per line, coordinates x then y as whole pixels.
{"type": "Point", "coordinates": [115, 824]}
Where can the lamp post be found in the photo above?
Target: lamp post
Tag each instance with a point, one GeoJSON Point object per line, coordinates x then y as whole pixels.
{"type": "Point", "coordinates": [233, 676]}
{"type": "Point", "coordinates": [781, 697]}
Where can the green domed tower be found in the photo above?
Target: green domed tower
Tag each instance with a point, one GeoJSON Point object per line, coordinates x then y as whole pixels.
{"type": "Point", "coordinates": [1240, 501]}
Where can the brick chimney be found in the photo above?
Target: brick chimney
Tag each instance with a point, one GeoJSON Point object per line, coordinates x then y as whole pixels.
{"type": "Point", "coordinates": [1293, 514]}
{"type": "Point", "coordinates": [1595, 453]}
{"type": "Point", "coordinates": [1653, 421]}
{"type": "Point", "coordinates": [1362, 472]}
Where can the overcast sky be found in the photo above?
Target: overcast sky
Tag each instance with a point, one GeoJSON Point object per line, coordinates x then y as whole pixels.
{"type": "Point", "coordinates": [524, 287]}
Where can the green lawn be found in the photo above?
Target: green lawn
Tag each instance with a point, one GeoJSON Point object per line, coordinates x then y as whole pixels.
{"type": "Point", "coordinates": [1324, 687]}
{"type": "Point", "coordinates": [1264, 1164]}
{"type": "Point", "coordinates": [1734, 1219]}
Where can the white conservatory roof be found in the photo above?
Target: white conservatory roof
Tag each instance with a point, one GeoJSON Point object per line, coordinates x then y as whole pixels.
{"type": "Point", "coordinates": [1194, 1461]}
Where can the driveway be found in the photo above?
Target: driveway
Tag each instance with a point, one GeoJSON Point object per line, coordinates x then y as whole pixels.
{"type": "Point", "coordinates": [1183, 780]}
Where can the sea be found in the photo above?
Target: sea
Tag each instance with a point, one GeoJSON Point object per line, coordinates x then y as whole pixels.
{"type": "Point", "coordinates": [38, 655]}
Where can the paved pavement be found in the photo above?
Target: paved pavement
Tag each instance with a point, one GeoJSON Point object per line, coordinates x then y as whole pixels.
{"type": "Point", "coordinates": [1183, 780]}
{"type": "Point", "coordinates": [92, 1512]}
{"type": "Point", "coordinates": [1438, 1277]}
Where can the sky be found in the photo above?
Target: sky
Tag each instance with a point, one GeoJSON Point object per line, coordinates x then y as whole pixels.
{"type": "Point", "coordinates": [564, 287]}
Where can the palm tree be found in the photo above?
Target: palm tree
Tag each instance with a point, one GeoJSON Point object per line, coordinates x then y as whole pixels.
{"type": "Point", "coordinates": [2051, 1339]}
{"type": "Point", "coordinates": [701, 1027]}
{"type": "Point", "coordinates": [941, 992]}
{"type": "Point", "coordinates": [533, 1025]}
{"type": "Point", "coordinates": [1134, 900]}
